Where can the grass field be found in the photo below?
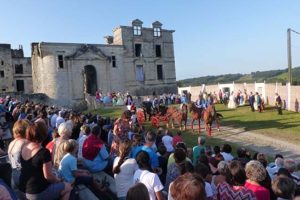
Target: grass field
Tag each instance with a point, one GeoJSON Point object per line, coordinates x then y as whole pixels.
{"type": "Point", "coordinates": [269, 123]}
{"type": "Point", "coordinates": [286, 126]}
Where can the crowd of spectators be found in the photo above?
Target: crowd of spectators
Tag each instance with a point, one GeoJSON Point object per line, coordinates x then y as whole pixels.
{"type": "Point", "coordinates": [54, 150]}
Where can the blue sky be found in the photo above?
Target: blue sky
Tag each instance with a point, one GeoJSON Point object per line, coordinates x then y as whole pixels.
{"type": "Point", "coordinates": [212, 36]}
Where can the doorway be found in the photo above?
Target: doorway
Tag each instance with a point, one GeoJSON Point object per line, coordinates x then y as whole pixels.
{"type": "Point", "coordinates": [90, 80]}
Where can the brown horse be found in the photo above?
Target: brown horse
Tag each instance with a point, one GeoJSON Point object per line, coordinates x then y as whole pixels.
{"type": "Point", "coordinates": [196, 114]}
{"type": "Point", "coordinates": [178, 116]}
{"type": "Point", "coordinates": [209, 115]}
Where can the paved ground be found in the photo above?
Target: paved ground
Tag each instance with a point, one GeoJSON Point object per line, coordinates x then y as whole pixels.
{"type": "Point", "coordinates": [258, 142]}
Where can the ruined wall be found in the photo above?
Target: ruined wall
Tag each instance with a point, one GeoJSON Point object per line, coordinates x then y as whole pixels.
{"type": "Point", "coordinates": [6, 71]}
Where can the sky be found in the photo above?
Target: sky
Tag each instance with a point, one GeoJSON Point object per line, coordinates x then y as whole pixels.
{"type": "Point", "coordinates": [211, 37]}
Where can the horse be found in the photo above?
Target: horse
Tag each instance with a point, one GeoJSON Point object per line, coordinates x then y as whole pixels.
{"type": "Point", "coordinates": [178, 116]}
{"type": "Point", "coordinates": [196, 114]}
{"type": "Point", "coordinates": [209, 115]}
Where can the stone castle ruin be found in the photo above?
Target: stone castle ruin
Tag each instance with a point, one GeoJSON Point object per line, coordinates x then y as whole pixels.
{"type": "Point", "coordinates": [135, 59]}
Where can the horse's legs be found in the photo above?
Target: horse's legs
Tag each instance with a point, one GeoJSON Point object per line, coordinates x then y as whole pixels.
{"type": "Point", "coordinates": [199, 124]}
{"type": "Point", "coordinates": [192, 125]}
{"type": "Point", "coordinates": [218, 125]}
{"type": "Point", "coordinates": [173, 123]}
{"type": "Point", "coordinates": [209, 130]}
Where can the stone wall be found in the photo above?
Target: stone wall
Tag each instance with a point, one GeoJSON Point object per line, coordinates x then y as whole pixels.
{"type": "Point", "coordinates": [6, 82]}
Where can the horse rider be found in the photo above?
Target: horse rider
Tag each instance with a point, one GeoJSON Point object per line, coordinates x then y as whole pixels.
{"type": "Point", "coordinates": [155, 104]}
{"type": "Point", "coordinates": [200, 102]}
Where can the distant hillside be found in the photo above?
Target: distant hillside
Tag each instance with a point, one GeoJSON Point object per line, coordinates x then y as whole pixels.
{"type": "Point", "coordinates": [271, 76]}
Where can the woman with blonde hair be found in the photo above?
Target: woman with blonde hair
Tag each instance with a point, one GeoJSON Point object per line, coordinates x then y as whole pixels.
{"type": "Point", "coordinates": [256, 173]}
{"type": "Point", "coordinates": [14, 150]}
{"type": "Point", "coordinates": [123, 169]}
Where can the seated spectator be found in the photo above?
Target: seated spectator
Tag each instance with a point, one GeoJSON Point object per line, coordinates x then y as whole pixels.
{"type": "Point", "coordinates": [182, 146]}
{"type": "Point", "coordinates": [14, 150]}
{"type": "Point", "coordinates": [198, 150]}
{"type": "Point", "coordinates": [163, 162]}
{"type": "Point", "coordinates": [65, 132]}
{"type": "Point", "coordinates": [68, 168]}
{"type": "Point", "coordinates": [187, 187]}
{"type": "Point", "coordinates": [149, 141]}
{"type": "Point", "coordinates": [233, 186]}
{"type": "Point", "coordinates": [145, 176]}
{"type": "Point", "coordinates": [241, 156]}
{"type": "Point", "coordinates": [159, 136]}
{"type": "Point", "coordinates": [256, 173]}
{"type": "Point", "coordinates": [226, 152]}
{"type": "Point", "coordinates": [177, 138]}
{"type": "Point", "coordinates": [272, 170]}
{"type": "Point", "coordinates": [85, 133]}
{"type": "Point", "coordinates": [205, 173]}
{"type": "Point", "coordinates": [50, 145]}
{"type": "Point", "coordinates": [284, 187]}
{"type": "Point", "coordinates": [5, 192]}
{"type": "Point", "coordinates": [123, 169]}
{"type": "Point", "coordinates": [291, 165]}
{"type": "Point", "coordinates": [178, 168]}
{"type": "Point", "coordinates": [95, 155]}
{"type": "Point", "coordinates": [37, 180]}
{"type": "Point", "coordinates": [137, 192]}
{"type": "Point", "coordinates": [167, 140]}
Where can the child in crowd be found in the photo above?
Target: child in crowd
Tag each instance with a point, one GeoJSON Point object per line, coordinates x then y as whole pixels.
{"type": "Point", "coordinates": [68, 168]}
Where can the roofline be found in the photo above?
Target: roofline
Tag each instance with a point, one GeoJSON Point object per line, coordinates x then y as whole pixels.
{"type": "Point", "coordinates": [63, 43]}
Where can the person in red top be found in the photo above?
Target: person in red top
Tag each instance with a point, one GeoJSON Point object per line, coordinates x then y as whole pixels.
{"type": "Point", "coordinates": [177, 138]}
{"type": "Point", "coordinates": [256, 173]}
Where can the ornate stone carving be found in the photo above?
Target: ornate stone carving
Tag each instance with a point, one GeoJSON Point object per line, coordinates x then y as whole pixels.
{"type": "Point", "coordinates": [86, 48]}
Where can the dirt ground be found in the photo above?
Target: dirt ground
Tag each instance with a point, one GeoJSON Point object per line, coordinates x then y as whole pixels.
{"type": "Point", "coordinates": [257, 142]}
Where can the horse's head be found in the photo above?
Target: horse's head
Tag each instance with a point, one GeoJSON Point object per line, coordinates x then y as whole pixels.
{"type": "Point", "coordinates": [211, 110]}
{"type": "Point", "coordinates": [184, 108]}
{"type": "Point", "coordinates": [192, 106]}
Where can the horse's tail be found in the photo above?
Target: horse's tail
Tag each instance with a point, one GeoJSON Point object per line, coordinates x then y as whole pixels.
{"type": "Point", "coordinates": [219, 115]}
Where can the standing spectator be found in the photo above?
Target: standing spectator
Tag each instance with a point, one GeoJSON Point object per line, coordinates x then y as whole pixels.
{"type": "Point", "coordinates": [258, 101]}
{"type": "Point", "coordinates": [278, 103]}
{"type": "Point", "coordinates": [220, 96]}
{"type": "Point", "coordinates": [251, 101]}
{"type": "Point", "coordinates": [256, 173]}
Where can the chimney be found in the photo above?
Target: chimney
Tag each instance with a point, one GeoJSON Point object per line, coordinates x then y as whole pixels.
{"type": "Point", "coordinates": [109, 39]}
